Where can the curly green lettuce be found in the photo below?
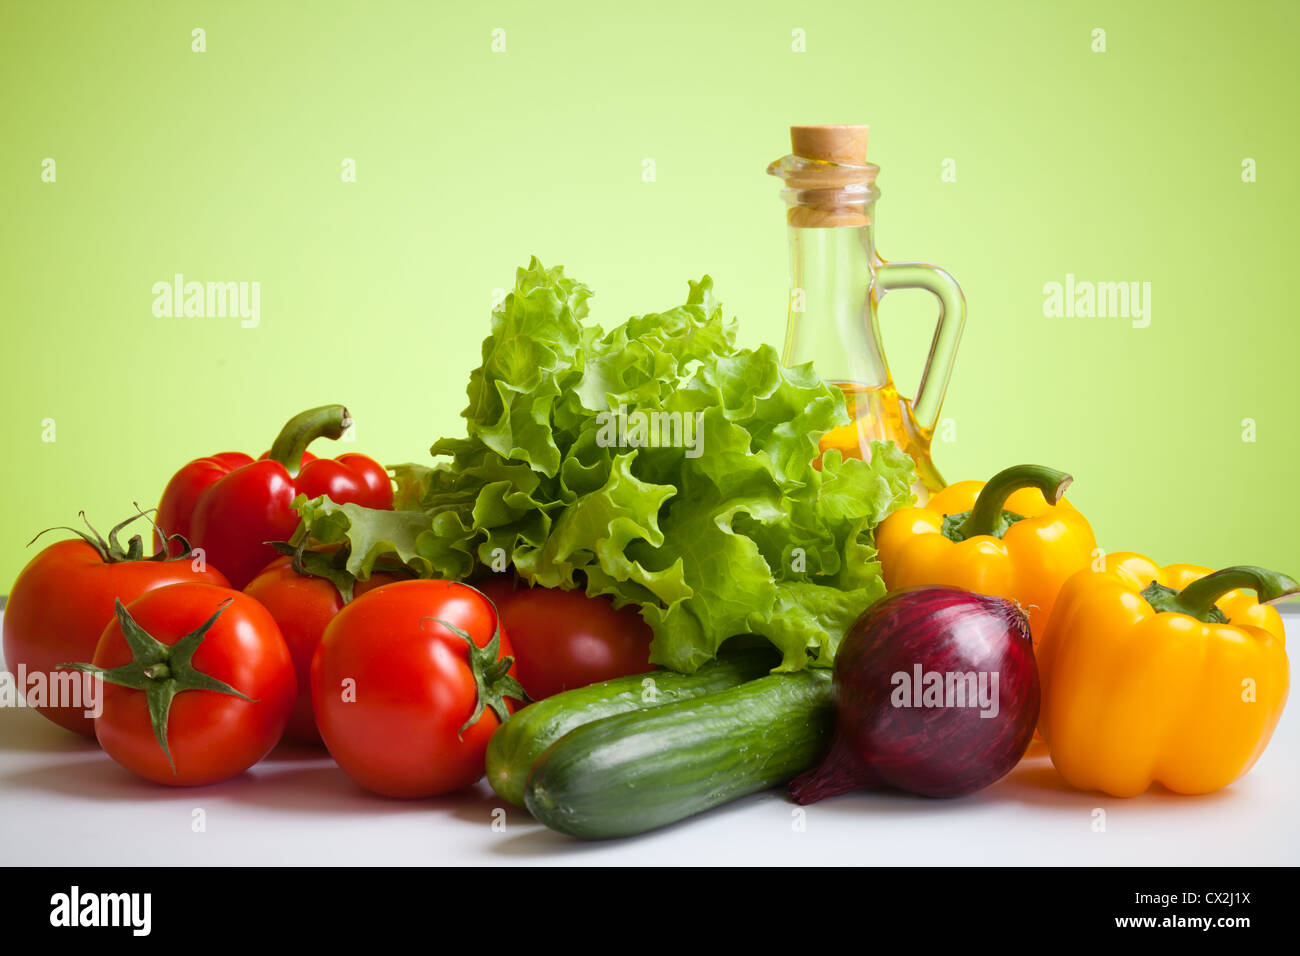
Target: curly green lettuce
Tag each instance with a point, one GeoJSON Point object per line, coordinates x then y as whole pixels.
{"type": "Point", "coordinates": [657, 463]}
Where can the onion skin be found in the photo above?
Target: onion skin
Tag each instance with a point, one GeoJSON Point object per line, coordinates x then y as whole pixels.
{"type": "Point", "coordinates": [935, 751]}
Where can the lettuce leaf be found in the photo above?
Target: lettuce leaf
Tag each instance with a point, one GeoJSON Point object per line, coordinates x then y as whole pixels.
{"type": "Point", "coordinates": [657, 463]}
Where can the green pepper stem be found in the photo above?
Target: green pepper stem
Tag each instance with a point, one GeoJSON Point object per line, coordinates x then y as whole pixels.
{"type": "Point", "coordinates": [1198, 597]}
{"type": "Point", "coordinates": [327, 421]}
{"type": "Point", "coordinates": [993, 498]}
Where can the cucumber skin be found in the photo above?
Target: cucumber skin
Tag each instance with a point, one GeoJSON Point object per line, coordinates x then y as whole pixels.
{"type": "Point", "coordinates": [516, 744]}
{"type": "Point", "coordinates": [633, 772]}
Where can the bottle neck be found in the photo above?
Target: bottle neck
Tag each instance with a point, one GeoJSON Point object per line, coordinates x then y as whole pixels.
{"type": "Point", "coordinates": [831, 321]}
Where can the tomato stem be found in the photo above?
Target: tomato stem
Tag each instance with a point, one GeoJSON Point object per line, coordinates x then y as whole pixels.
{"type": "Point", "coordinates": [494, 672]}
{"type": "Point", "coordinates": [317, 564]}
{"type": "Point", "coordinates": [110, 550]}
{"type": "Point", "coordinates": [491, 676]}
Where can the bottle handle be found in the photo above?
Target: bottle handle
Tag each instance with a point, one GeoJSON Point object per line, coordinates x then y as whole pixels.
{"type": "Point", "coordinates": [947, 331]}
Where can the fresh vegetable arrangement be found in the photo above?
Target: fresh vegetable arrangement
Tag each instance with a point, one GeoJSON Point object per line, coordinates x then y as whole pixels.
{"type": "Point", "coordinates": [636, 589]}
{"type": "Point", "coordinates": [658, 464]}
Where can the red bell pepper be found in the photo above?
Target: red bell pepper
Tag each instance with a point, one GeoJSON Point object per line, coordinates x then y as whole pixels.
{"type": "Point", "coordinates": [230, 505]}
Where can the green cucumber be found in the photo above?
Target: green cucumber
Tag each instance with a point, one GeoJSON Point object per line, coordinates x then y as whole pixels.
{"type": "Point", "coordinates": [637, 771]}
{"type": "Point", "coordinates": [517, 743]}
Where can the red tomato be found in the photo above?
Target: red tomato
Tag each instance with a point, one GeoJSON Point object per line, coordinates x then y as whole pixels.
{"type": "Point", "coordinates": [212, 735]}
{"type": "Point", "coordinates": [61, 602]}
{"type": "Point", "coordinates": [302, 605]}
{"type": "Point", "coordinates": [565, 639]}
{"type": "Point", "coordinates": [393, 688]}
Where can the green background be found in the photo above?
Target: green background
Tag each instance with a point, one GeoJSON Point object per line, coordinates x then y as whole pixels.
{"type": "Point", "coordinates": [225, 165]}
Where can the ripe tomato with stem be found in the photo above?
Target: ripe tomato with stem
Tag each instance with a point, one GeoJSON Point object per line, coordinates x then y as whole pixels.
{"type": "Point", "coordinates": [409, 682]}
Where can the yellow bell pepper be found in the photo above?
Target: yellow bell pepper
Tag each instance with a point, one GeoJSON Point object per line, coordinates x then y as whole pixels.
{"type": "Point", "coordinates": [1172, 675]}
{"type": "Point", "coordinates": [1015, 537]}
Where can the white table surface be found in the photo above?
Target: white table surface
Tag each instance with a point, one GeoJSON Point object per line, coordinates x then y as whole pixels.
{"type": "Point", "coordinates": [63, 802]}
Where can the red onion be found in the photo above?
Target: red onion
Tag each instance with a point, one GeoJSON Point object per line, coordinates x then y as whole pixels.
{"type": "Point", "coordinates": [936, 693]}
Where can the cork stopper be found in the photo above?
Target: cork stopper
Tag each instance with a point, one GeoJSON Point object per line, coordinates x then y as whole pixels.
{"type": "Point", "coordinates": [846, 145]}
{"type": "Point", "coordinates": [829, 183]}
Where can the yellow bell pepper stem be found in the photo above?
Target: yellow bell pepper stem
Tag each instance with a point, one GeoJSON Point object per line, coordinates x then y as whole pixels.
{"type": "Point", "coordinates": [986, 517]}
{"type": "Point", "coordinates": [1198, 598]}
